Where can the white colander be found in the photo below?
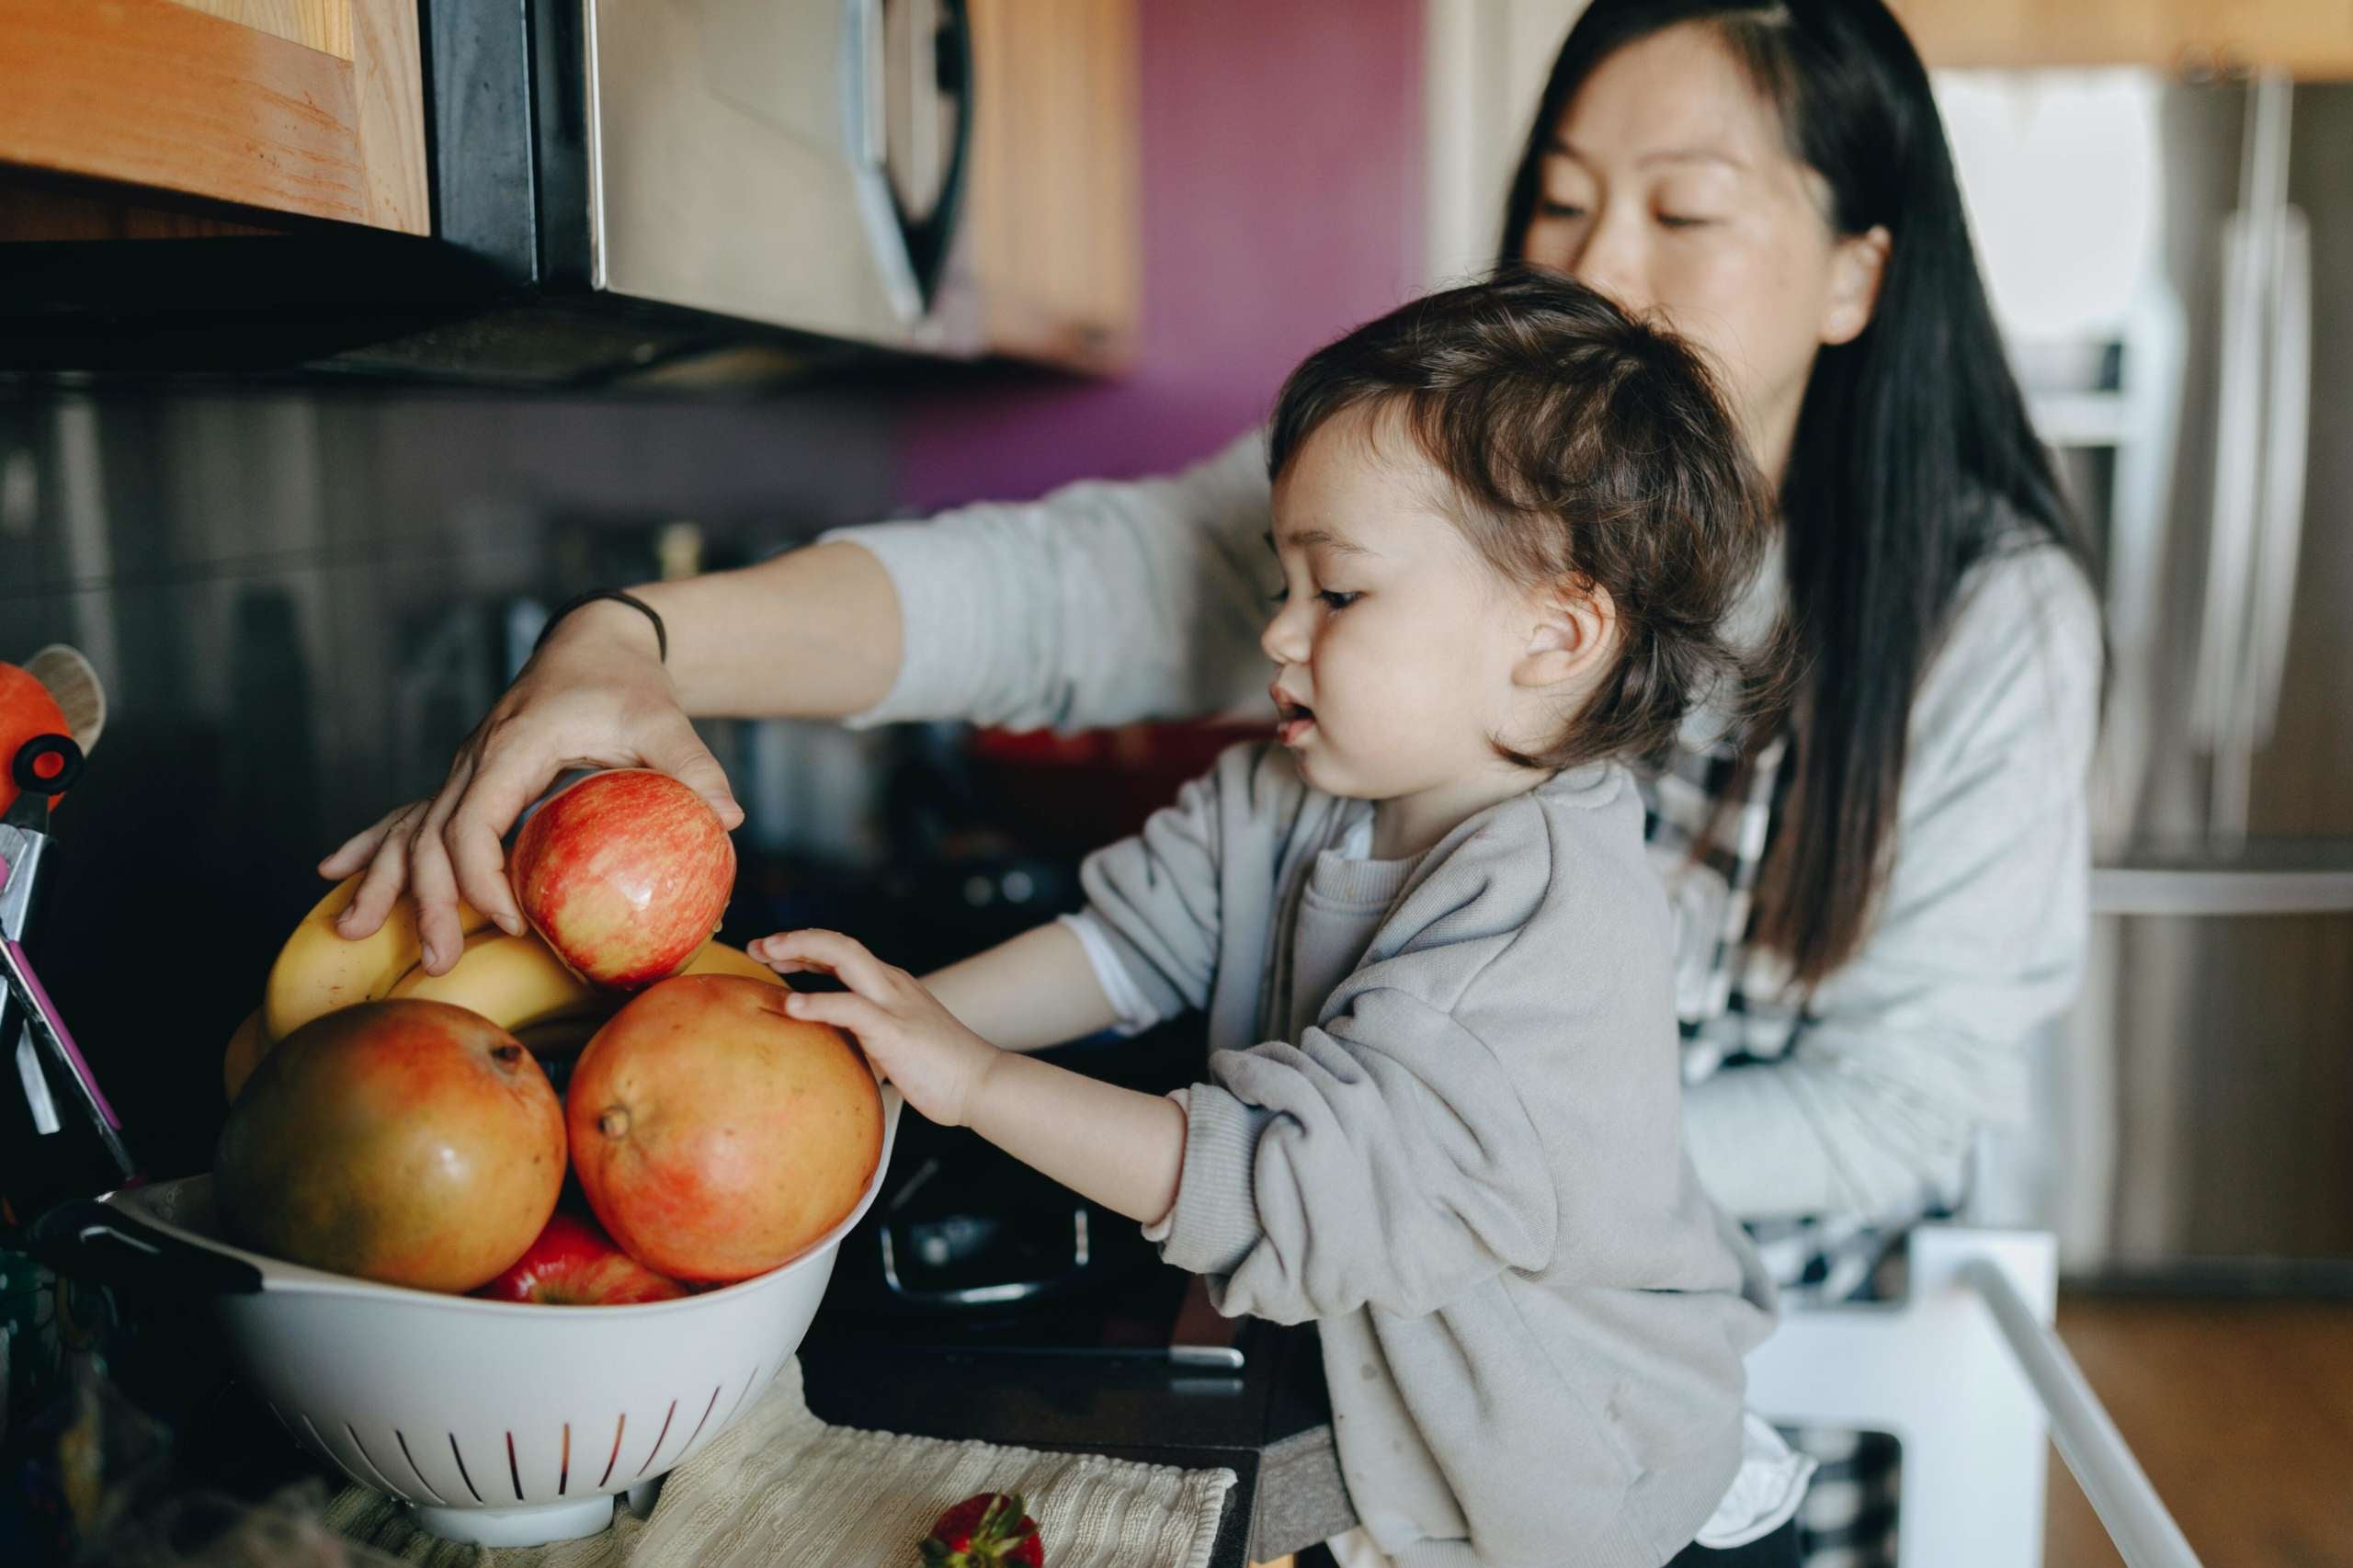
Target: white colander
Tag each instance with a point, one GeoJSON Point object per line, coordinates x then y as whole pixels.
{"type": "Point", "coordinates": [496, 1422]}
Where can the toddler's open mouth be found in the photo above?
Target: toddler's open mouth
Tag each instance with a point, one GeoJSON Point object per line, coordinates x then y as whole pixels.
{"type": "Point", "coordinates": [1292, 720]}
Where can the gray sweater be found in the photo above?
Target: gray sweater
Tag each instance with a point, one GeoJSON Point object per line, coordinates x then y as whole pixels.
{"type": "Point", "coordinates": [1443, 1121]}
{"type": "Point", "coordinates": [1107, 602]}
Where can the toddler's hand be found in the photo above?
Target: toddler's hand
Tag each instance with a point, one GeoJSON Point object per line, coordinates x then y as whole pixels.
{"type": "Point", "coordinates": [935, 1062]}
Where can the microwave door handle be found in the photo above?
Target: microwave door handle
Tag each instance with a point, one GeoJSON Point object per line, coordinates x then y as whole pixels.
{"type": "Point", "coordinates": [869, 80]}
{"type": "Point", "coordinates": [867, 150]}
{"type": "Point", "coordinates": [943, 69]}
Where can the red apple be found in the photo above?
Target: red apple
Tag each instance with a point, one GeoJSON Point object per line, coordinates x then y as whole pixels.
{"type": "Point", "coordinates": [625, 875]}
{"type": "Point", "coordinates": [715, 1135]}
{"type": "Point", "coordinates": [574, 1264]}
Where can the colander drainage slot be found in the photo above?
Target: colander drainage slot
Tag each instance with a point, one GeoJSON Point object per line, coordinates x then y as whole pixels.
{"type": "Point", "coordinates": [402, 1438]}
{"type": "Point", "coordinates": [368, 1460]}
{"type": "Point", "coordinates": [514, 1472]}
{"type": "Point", "coordinates": [462, 1468]}
{"type": "Point", "coordinates": [707, 1409]}
{"type": "Point", "coordinates": [740, 1398]}
{"type": "Point", "coordinates": [614, 1458]}
{"type": "Point", "coordinates": [658, 1442]}
{"type": "Point", "coordinates": [564, 1472]}
{"type": "Point", "coordinates": [319, 1442]}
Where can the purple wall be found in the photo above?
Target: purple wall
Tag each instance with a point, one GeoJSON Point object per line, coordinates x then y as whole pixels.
{"type": "Point", "coordinates": [1282, 171]}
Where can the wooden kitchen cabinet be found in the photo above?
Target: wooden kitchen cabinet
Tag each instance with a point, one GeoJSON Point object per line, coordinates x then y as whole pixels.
{"type": "Point", "coordinates": [1049, 263]}
{"type": "Point", "coordinates": [2308, 38]}
{"type": "Point", "coordinates": [308, 107]}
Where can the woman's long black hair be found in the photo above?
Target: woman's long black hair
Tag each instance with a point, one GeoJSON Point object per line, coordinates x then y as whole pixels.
{"type": "Point", "coordinates": [1914, 458]}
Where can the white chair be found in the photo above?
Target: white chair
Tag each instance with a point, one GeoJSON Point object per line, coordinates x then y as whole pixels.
{"type": "Point", "coordinates": [1966, 1374]}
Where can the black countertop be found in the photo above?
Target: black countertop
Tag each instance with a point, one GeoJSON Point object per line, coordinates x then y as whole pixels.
{"type": "Point", "coordinates": [1268, 1423]}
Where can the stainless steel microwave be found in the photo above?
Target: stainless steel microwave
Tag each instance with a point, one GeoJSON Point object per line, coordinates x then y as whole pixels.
{"type": "Point", "coordinates": [794, 162]}
{"type": "Point", "coordinates": [625, 192]}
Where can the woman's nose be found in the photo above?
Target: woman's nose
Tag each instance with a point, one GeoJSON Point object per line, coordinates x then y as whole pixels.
{"type": "Point", "coordinates": [1609, 261]}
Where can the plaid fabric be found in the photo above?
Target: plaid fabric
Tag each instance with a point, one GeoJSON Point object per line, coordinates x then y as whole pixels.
{"type": "Point", "coordinates": [1733, 1001]}
{"type": "Point", "coordinates": [1732, 998]}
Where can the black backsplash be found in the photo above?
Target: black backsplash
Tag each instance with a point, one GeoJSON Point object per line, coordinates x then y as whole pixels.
{"type": "Point", "coordinates": [299, 604]}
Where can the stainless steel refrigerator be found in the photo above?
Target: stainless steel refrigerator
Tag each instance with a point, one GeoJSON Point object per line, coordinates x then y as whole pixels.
{"type": "Point", "coordinates": [2173, 262]}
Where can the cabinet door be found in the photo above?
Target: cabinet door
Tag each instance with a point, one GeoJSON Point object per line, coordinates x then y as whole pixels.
{"type": "Point", "coordinates": [2311, 39]}
{"type": "Point", "coordinates": [307, 107]}
{"type": "Point", "coordinates": [2308, 38]}
{"type": "Point", "coordinates": [1050, 255]}
{"type": "Point", "coordinates": [2039, 32]}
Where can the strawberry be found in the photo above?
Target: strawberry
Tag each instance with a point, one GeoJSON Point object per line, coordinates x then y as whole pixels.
{"type": "Point", "coordinates": [985, 1530]}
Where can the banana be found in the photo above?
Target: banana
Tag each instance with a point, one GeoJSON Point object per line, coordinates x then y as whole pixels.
{"type": "Point", "coordinates": [517, 982]}
{"type": "Point", "coordinates": [559, 1042]}
{"type": "Point", "coordinates": [718, 957]}
{"type": "Point", "coordinates": [318, 970]}
{"type": "Point", "coordinates": [247, 1048]}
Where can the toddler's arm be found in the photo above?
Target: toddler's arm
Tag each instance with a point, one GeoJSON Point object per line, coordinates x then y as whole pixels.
{"type": "Point", "coordinates": [1118, 1147]}
{"type": "Point", "coordinates": [1033, 991]}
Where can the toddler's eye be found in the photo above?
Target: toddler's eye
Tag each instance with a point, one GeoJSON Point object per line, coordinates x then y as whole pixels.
{"type": "Point", "coordinates": [1279, 596]}
{"type": "Point", "coordinates": [1337, 601]}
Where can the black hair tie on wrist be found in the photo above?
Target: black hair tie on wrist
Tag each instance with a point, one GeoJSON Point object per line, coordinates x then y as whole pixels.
{"type": "Point", "coordinates": [661, 633]}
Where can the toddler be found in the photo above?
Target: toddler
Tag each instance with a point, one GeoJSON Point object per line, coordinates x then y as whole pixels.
{"type": "Point", "coordinates": [1442, 1113]}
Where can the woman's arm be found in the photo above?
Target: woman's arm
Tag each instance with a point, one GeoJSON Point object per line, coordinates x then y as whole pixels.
{"type": "Point", "coordinates": [829, 615]}
{"type": "Point", "coordinates": [1100, 603]}
{"type": "Point", "coordinates": [1978, 942]}
{"type": "Point", "coordinates": [600, 693]}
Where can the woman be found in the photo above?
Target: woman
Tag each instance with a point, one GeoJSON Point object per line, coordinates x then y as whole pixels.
{"type": "Point", "coordinates": [1876, 908]}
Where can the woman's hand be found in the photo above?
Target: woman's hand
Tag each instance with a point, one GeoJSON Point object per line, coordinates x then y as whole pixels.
{"type": "Point", "coordinates": [938, 1064]}
{"type": "Point", "coordinates": [594, 696]}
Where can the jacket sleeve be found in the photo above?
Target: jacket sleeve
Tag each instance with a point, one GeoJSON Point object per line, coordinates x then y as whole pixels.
{"type": "Point", "coordinates": [1102, 603]}
{"type": "Point", "coordinates": [1156, 900]}
{"type": "Point", "coordinates": [1385, 1157]}
{"type": "Point", "coordinates": [1978, 941]}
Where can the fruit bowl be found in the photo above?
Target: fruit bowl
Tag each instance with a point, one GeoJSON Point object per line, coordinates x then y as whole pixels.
{"type": "Point", "coordinates": [496, 1423]}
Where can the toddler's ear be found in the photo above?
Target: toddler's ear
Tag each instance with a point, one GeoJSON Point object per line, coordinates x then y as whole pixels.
{"type": "Point", "coordinates": [1572, 627]}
